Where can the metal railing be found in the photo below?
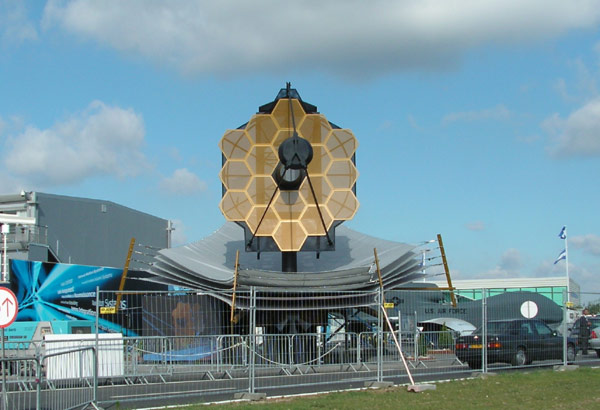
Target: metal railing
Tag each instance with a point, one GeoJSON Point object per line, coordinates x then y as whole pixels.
{"type": "Point", "coordinates": [27, 385]}
{"type": "Point", "coordinates": [248, 356]}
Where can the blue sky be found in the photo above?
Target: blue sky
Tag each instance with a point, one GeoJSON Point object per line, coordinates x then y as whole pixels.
{"type": "Point", "coordinates": [476, 120]}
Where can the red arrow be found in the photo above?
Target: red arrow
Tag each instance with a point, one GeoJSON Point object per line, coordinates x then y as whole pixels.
{"type": "Point", "coordinates": [6, 301]}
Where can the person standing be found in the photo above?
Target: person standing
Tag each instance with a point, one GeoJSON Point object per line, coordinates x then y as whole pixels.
{"type": "Point", "coordinates": [584, 332]}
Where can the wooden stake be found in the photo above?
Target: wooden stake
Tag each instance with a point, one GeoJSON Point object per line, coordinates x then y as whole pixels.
{"type": "Point", "coordinates": [124, 275]}
{"type": "Point", "coordinates": [452, 297]}
{"type": "Point", "coordinates": [235, 275]}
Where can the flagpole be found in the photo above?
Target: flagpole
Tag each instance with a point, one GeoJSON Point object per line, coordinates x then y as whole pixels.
{"type": "Point", "coordinates": [567, 266]}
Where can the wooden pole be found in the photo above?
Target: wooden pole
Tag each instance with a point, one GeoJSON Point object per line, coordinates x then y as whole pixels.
{"type": "Point", "coordinates": [445, 262]}
{"type": "Point", "coordinates": [235, 275]}
{"type": "Point", "coordinates": [378, 270]}
{"type": "Point", "coordinates": [124, 275]}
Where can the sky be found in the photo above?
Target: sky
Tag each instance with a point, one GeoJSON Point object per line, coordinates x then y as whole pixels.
{"type": "Point", "coordinates": [479, 121]}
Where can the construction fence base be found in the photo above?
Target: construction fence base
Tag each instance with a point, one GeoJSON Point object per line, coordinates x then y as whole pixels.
{"type": "Point", "coordinates": [250, 396]}
{"type": "Point", "coordinates": [378, 385]}
{"type": "Point", "coordinates": [418, 388]}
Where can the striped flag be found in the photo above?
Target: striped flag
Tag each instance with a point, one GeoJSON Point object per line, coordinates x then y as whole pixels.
{"type": "Point", "coordinates": [563, 233]}
{"type": "Point", "coordinates": [562, 255]}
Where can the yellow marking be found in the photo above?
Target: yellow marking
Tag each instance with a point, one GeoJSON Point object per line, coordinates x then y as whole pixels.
{"type": "Point", "coordinates": [105, 310]}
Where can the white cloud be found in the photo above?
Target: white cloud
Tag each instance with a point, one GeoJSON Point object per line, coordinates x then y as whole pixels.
{"type": "Point", "coordinates": [11, 124]}
{"type": "Point", "coordinates": [585, 277]}
{"type": "Point", "coordinates": [529, 139]}
{"type": "Point", "coordinates": [349, 37]}
{"type": "Point", "coordinates": [101, 140]}
{"type": "Point", "coordinates": [10, 185]}
{"type": "Point", "coordinates": [174, 154]}
{"type": "Point", "coordinates": [560, 86]}
{"type": "Point", "coordinates": [588, 243]}
{"type": "Point", "coordinates": [386, 126]}
{"type": "Point", "coordinates": [14, 25]}
{"type": "Point", "coordinates": [548, 268]}
{"type": "Point", "coordinates": [475, 226]}
{"type": "Point", "coordinates": [499, 112]}
{"type": "Point", "coordinates": [585, 85]}
{"type": "Point", "coordinates": [510, 264]}
{"type": "Point", "coordinates": [412, 121]}
{"type": "Point", "coordinates": [578, 135]}
{"type": "Point", "coordinates": [511, 260]}
{"type": "Point", "coordinates": [596, 49]}
{"type": "Point", "coordinates": [183, 182]}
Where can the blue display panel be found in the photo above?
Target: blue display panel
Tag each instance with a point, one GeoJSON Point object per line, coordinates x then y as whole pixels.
{"type": "Point", "coordinates": [62, 292]}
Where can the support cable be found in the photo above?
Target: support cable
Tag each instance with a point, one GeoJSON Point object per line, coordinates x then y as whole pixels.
{"type": "Point", "coordinates": [312, 190]}
{"type": "Point", "coordinates": [263, 216]}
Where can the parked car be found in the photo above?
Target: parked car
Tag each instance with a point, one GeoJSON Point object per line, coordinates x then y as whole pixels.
{"type": "Point", "coordinates": [514, 341]}
{"type": "Point", "coordinates": [594, 333]}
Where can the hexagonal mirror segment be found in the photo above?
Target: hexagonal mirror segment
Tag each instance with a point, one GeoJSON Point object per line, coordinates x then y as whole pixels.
{"type": "Point", "coordinates": [235, 205]}
{"type": "Point", "coordinates": [281, 113]}
{"type": "Point", "coordinates": [289, 205]}
{"type": "Point", "coordinates": [341, 144]}
{"type": "Point", "coordinates": [281, 136]}
{"type": "Point", "coordinates": [235, 144]}
{"type": "Point", "coordinates": [321, 187]}
{"type": "Point", "coordinates": [342, 205]}
{"type": "Point", "coordinates": [269, 223]}
{"type": "Point", "coordinates": [315, 128]}
{"type": "Point", "coordinates": [235, 175]}
{"type": "Point", "coordinates": [261, 189]}
{"type": "Point", "coordinates": [290, 236]}
{"type": "Point", "coordinates": [320, 162]}
{"type": "Point", "coordinates": [261, 129]}
{"type": "Point", "coordinates": [342, 174]}
{"type": "Point", "coordinates": [262, 159]}
{"type": "Point", "coordinates": [312, 223]}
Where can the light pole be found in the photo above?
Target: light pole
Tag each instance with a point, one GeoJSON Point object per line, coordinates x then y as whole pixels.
{"type": "Point", "coordinates": [5, 230]}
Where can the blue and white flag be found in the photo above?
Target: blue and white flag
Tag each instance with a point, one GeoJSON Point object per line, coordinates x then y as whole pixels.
{"type": "Point", "coordinates": [563, 255]}
{"type": "Point", "coordinates": [563, 233]}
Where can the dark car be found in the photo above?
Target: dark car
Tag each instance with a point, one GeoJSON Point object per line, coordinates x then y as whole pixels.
{"type": "Point", "coordinates": [516, 341]}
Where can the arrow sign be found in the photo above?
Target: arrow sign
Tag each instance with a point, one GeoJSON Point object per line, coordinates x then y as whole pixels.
{"type": "Point", "coordinates": [9, 307]}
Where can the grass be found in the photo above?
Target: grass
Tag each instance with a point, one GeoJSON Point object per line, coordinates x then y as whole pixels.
{"type": "Point", "coordinates": [539, 389]}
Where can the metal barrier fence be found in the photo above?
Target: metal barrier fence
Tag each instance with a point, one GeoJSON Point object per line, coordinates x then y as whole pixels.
{"type": "Point", "coordinates": [19, 382]}
{"type": "Point", "coordinates": [28, 382]}
{"type": "Point", "coordinates": [193, 345]}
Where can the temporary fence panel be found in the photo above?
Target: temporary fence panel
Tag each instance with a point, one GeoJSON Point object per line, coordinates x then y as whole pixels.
{"type": "Point", "coordinates": [518, 329]}
{"type": "Point", "coordinates": [311, 338]}
{"type": "Point", "coordinates": [78, 389]}
{"type": "Point", "coordinates": [19, 383]}
{"type": "Point", "coordinates": [175, 337]}
{"type": "Point", "coordinates": [195, 344]}
{"type": "Point", "coordinates": [80, 363]}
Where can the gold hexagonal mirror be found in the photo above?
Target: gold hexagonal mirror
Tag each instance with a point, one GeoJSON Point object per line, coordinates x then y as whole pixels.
{"type": "Point", "coordinates": [288, 204]}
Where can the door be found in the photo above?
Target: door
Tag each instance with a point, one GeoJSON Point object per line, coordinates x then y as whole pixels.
{"type": "Point", "coordinates": [551, 345]}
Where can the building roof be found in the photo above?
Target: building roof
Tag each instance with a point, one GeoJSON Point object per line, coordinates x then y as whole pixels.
{"type": "Point", "coordinates": [506, 283]}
